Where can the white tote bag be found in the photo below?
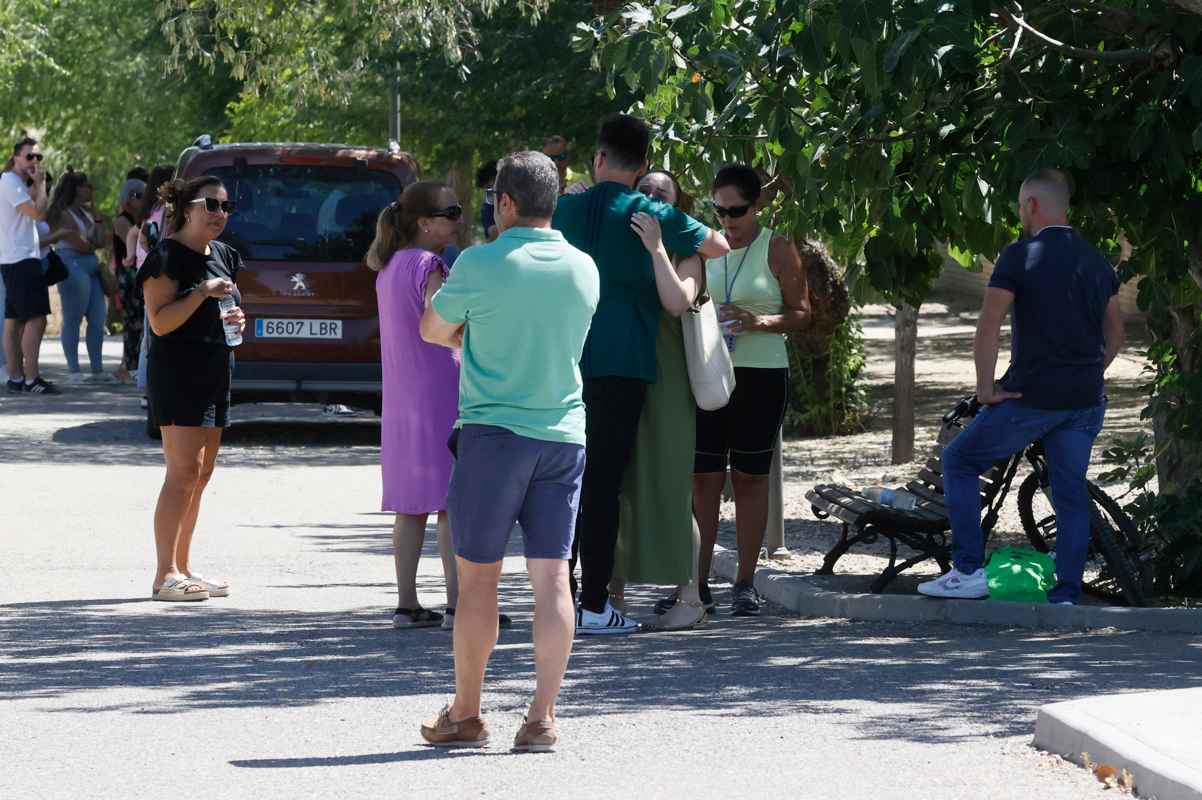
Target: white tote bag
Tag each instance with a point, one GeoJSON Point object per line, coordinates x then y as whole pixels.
{"type": "Point", "coordinates": [711, 373]}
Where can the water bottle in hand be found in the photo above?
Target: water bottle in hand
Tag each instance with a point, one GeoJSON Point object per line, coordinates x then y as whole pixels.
{"type": "Point", "coordinates": [892, 498]}
{"type": "Point", "coordinates": [233, 331]}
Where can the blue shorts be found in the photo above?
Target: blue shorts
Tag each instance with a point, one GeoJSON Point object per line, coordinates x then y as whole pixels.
{"type": "Point", "coordinates": [501, 478]}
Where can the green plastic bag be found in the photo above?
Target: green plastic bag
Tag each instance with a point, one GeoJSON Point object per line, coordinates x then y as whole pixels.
{"type": "Point", "coordinates": [1020, 575]}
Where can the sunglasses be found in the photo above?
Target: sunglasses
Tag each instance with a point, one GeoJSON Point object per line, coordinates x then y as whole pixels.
{"type": "Point", "coordinates": [450, 212]}
{"type": "Point", "coordinates": [734, 212]}
{"type": "Point", "coordinates": [561, 157]}
{"type": "Point", "coordinates": [33, 156]}
{"type": "Point", "coordinates": [213, 205]}
{"type": "Point", "coordinates": [135, 195]}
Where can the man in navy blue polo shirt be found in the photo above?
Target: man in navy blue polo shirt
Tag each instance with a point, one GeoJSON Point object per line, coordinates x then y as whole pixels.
{"type": "Point", "coordinates": [1066, 328]}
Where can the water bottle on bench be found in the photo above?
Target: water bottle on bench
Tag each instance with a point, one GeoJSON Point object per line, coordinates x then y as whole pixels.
{"type": "Point", "coordinates": [892, 498]}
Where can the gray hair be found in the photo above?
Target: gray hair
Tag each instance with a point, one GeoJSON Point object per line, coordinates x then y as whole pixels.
{"type": "Point", "coordinates": [531, 180]}
{"type": "Point", "coordinates": [128, 188]}
{"type": "Point", "coordinates": [1051, 185]}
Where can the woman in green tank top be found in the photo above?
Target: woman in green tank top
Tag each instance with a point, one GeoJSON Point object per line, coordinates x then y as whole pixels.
{"type": "Point", "coordinates": [761, 291]}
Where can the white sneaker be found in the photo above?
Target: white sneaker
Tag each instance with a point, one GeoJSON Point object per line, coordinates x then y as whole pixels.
{"type": "Point", "coordinates": [75, 378]}
{"type": "Point", "coordinates": [957, 585]}
{"type": "Point", "coordinates": [608, 622]}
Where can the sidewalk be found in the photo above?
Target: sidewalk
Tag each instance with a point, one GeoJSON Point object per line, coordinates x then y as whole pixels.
{"type": "Point", "coordinates": [834, 596]}
{"type": "Point", "coordinates": [1154, 735]}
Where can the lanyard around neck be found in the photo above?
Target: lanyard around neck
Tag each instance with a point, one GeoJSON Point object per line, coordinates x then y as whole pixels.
{"type": "Point", "coordinates": [728, 283]}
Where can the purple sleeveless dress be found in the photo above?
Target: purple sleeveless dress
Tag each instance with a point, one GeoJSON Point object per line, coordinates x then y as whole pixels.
{"type": "Point", "coordinates": [421, 390]}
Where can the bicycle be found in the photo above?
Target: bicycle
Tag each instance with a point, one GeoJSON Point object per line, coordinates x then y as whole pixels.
{"type": "Point", "coordinates": [1114, 542]}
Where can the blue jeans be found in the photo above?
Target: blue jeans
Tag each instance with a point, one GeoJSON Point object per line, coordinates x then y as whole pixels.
{"type": "Point", "coordinates": [995, 434]}
{"type": "Point", "coordinates": [83, 297]}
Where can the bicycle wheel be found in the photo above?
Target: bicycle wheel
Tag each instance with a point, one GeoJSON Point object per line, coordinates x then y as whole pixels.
{"type": "Point", "coordinates": [1116, 535]}
{"type": "Point", "coordinates": [1112, 563]}
{"type": "Point", "coordinates": [1041, 532]}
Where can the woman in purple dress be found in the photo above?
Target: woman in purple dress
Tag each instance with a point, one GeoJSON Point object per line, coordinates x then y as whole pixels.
{"type": "Point", "coordinates": [421, 386]}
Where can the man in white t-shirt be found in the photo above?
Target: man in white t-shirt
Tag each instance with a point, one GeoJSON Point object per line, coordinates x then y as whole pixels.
{"type": "Point", "coordinates": [23, 203]}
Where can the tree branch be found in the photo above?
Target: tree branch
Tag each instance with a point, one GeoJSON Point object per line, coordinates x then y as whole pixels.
{"type": "Point", "coordinates": [1129, 56]}
{"type": "Point", "coordinates": [900, 137]}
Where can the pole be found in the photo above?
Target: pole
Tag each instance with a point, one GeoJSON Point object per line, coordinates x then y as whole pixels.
{"type": "Point", "coordinates": [774, 533]}
{"type": "Point", "coordinates": [394, 111]}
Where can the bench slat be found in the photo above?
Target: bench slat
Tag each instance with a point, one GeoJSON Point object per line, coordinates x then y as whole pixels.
{"type": "Point", "coordinates": [849, 505]}
{"type": "Point", "coordinates": [935, 480]}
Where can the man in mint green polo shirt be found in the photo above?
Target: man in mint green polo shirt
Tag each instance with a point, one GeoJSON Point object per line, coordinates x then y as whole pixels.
{"type": "Point", "coordinates": [619, 356]}
{"type": "Point", "coordinates": [520, 307]}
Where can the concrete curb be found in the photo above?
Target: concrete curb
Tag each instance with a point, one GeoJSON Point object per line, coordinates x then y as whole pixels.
{"type": "Point", "coordinates": [798, 594]}
{"type": "Point", "coordinates": [1071, 729]}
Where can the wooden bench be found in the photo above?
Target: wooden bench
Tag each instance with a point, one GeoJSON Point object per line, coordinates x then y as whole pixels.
{"type": "Point", "coordinates": [925, 530]}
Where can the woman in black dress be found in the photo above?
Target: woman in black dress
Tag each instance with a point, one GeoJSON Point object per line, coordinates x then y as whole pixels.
{"type": "Point", "coordinates": [188, 369]}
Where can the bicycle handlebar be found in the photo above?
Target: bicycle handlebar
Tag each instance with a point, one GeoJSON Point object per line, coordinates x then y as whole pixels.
{"type": "Point", "coordinates": [968, 407]}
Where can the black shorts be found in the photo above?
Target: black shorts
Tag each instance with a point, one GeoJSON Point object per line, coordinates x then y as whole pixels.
{"type": "Point", "coordinates": [745, 429]}
{"type": "Point", "coordinates": [26, 294]}
{"type": "Point", "coordinates": [188, 383]}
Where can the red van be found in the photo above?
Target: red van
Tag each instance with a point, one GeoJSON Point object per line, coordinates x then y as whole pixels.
{"type": "Point", "coordinates": [305, 215]}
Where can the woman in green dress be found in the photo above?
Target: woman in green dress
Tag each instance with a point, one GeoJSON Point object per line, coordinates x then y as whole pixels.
{"type": "Point", "coordinates": [658, 540]}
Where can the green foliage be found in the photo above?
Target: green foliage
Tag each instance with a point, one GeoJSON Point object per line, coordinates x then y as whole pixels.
{"type": "Point", "coordinates": [1172, 524]}
{"type": "Point", "coordinates": [320, 46]}
{"type": "Point", "coordinates": [94, 90]}
{"type": "Point", "coordinates": [513, 79]}
{"type": "Point", "coordinates": [826, 392]}
{"type": "Point", "coordinates": [1169, 523]}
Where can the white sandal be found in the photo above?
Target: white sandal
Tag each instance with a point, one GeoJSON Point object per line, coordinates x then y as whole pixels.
{"type": "Point", "coordinates": [217, 588]}
{"type": "Point", "coordinates": [683, 616]}
{"type": "Point", "coordinates": [180, 590]}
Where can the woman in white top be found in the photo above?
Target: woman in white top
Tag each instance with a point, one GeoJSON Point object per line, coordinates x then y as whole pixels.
{"type": "Point", "coordinates": [81, 233]}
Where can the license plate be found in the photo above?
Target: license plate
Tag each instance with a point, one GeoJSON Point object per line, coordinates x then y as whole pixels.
{"type": "Point", "coordinates": [298, 329]}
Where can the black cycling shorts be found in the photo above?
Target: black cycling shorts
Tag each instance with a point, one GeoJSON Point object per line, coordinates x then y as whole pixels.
{"type": "Point", "coordinates": [745, 430]}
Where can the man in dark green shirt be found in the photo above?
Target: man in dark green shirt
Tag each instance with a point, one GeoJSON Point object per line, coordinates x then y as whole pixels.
{"type": "Point", "coordinates": [619, 355]}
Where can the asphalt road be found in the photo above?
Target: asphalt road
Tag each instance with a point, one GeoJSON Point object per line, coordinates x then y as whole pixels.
{"type": "Point", "coordinates": [297, 686]}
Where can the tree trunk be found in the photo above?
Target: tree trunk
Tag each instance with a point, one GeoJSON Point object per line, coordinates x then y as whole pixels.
{"type": "Point", "coordinates": [905, 334]}
{"type": "Point", "coordinates": [1178, 460]}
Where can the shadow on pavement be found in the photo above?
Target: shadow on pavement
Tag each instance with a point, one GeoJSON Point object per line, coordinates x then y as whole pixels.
{"type": "Point", "coordinates": [422, 754]}
{"type": "Point", "coordinates": [215, 656]}
{"type": "Point", "coordinates": [122, 441]}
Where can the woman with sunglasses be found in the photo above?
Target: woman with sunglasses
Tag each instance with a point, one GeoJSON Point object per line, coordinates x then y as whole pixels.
{"type": "Point", "coordinates": [421, 387]}
{"type": "Point", "coordinates": [81, 232]}
{"type": "Point", "coordinates": [761, 291]}
{"type": "Point", "coordinates": [189, 369]}
{"type": "Point", "coordinates": [132, 203]}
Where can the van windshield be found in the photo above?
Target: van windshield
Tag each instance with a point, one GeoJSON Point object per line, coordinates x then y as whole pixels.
{"type": "Point", "coordinates": [293, 212]}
